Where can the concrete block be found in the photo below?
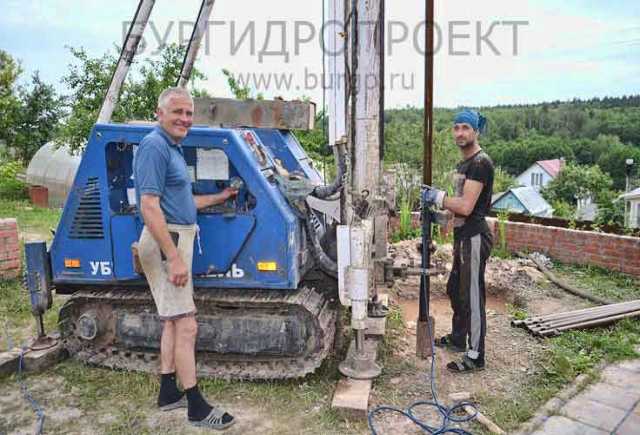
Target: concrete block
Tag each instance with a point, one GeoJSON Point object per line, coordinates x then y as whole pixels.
{"type": "Point", "coordinates": [574, 388]}
{"type": "Point", "coordinates": [9, 362]}
{"type": "Point", "coordinates": [630, 426]}
{"type": "Point", "coordinates": [593, 413]}
{"type": "Point", "coordinates": [633, 365]}
{"type": "Point", "coordinates": [621, 377]}
{"type": "Point", "coordinates": [558, 425]}
{"type": "Point", "coordinates": [38, 360]}
{"type": "Point", "coordinates": [611, 395]}
{"type": "Point", "coordinates": [352, 397]}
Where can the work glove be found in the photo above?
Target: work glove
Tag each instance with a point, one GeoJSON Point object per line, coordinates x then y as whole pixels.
{"type": "Point", "coordinates": [432, 196]}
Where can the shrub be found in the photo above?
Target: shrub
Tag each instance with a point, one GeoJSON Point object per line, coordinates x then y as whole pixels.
{"type": "Point", "coordinates": [10, 186]}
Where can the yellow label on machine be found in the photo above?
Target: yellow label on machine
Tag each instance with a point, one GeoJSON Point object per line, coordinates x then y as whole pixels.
{"type": "Point", "coordinates": [267, 266]}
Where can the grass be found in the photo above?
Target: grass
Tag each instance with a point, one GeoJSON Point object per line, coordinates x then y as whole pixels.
{"type": "Point", "coordinates": [31, 219]}
{"type": "Point", "coordinates": [129, 396]}
{"type": "Point", "coordinates": [608, 284]}
{"type": "Point", "coordinates": [16, 320]}
{"type": "Point", "coordinates": [122, 402]}
{"type": "Point", "coordinates": [574, 352]}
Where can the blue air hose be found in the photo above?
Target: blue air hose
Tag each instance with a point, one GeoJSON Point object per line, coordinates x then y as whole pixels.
{"type": "Point", "coordinates": [448, 414]}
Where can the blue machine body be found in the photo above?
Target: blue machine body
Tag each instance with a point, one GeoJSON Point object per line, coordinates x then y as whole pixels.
{"type": "Point", "coordinates": [92, 244]}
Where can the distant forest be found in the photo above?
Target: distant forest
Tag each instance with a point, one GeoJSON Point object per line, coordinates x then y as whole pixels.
{"type": "Point", "coordinates": [603, 132]}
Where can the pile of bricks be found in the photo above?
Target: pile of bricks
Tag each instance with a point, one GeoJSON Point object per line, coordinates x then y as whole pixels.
{"type": "Point", "coordinates": [9, 249]}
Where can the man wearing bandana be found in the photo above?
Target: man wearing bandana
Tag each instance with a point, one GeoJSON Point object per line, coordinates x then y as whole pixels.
{"type": "Point", "coordinates": [472, 243]}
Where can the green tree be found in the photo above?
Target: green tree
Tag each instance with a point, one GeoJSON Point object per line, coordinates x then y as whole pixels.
{"type": "Point", "coordinates": [577, 182]}
{"type": "Point", "coordinates": [610, 209]}
{"type": "Point", "coordinates": [40, 110]}
{"type": "Point", "coordinates": [588, 151]}
{"type": "Point", "coordinates": [140, 95]}
{"type": "Point", "coordinates": [564, 210]}
{"type": "Point", "coordinates": [89, 78]}
{"type": "Point", "coordinates": [314, 141]}
{"type": "Point", "coordinates": [612, 161]}
{"type": "Point", "coordinates": [9, 103]}
{"type": "Point", "coordinates": [502, 180]}
{"type": "Point", "coordinates": [240, 92]}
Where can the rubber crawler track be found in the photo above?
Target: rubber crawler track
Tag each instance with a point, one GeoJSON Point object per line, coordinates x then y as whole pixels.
{"type": "Point", "coordinates": [210, 365]}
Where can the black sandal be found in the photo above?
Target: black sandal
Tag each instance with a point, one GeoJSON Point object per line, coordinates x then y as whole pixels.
{"type": "Point", "coordinates": [446, 341]}
{"type": "Point", "coordinates": [467, 365]}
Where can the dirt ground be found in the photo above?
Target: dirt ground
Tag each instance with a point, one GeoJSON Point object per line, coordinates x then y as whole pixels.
{"type": "Point", "coordinates": [303, 407]}
{"type": "Point", "coordinates": [512, 355]}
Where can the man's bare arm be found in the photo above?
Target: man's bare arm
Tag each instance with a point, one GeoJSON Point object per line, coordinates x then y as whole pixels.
{"type": "Point", "coordinates": [203, 201]}
{"type": "Point", "coordinates": [464, 205]}
{"type": "Point", "coordinates": [156, 223]}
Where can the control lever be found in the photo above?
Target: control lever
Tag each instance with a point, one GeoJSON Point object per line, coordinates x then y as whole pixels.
{"type": "Point", "coordinates": [230, 204]}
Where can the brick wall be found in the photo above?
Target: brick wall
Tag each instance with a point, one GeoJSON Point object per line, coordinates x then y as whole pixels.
{"type": "Point", "coordinates": [610, 251]}
{"type": "Point", "coordinates": [9, 249]}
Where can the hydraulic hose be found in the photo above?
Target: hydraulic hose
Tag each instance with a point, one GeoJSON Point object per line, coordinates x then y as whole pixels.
{"type": "Point", "coordinates": [323, 192]}
{"type": "Point", "coordinates": [325, 262]}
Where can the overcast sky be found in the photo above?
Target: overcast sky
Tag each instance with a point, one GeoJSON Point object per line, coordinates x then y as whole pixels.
{"type": "Point", "coordinates": [573, 48]}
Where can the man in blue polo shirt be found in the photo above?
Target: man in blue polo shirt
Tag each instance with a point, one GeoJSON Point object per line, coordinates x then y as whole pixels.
{"type": "Point", "coordinates": [169, 211]}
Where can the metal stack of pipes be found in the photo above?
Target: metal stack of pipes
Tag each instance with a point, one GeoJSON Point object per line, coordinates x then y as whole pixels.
{"type": "Point", "coordinates": [554, 324]}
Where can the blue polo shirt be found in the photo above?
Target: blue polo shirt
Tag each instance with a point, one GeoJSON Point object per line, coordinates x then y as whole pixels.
{"type": "Point", "coordinates": [159, 169]}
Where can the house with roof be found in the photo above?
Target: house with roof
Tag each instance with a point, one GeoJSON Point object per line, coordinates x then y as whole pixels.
{"type": "Point", "coordinates": [524, 199]}
{"type": "Point", "coordinates": [540, 173]}
{"type": "Point", "coordinates": [632, 208]}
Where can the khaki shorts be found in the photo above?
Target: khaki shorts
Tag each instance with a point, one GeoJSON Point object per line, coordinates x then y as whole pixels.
{"type": "Point", "coordinates": [172, 302]}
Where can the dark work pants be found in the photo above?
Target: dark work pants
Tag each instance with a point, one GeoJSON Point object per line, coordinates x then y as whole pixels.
{"type": "Point", "coordinates": [467, 292]}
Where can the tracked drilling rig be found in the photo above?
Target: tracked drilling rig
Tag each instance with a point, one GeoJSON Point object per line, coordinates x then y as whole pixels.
{"type": "Point", "coordinates": [272, 267]}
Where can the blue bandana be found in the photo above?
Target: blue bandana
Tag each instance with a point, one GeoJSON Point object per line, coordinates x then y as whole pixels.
{"type": "Point", "coordinates": [473, 118]}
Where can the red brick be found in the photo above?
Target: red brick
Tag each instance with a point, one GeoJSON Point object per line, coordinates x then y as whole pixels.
{"type": "Point", "coordinates": [12, 249]}
{"type": "Point", "coordinates": [9, 255]}
{"type": "Point", "coordinates": [631, 270]}
{"type": "Point", "coordinates": [9, 274]}
{"type": "Point", "coordinates": [9, 264]}
{"type": "Point", "coordinates": [4, 241]}
{"type": "Point", "coordinates": [8, 223]}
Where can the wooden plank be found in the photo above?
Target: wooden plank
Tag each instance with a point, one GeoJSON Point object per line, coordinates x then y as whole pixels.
{"type": "Point", "coordinates": [227, 112]}
{"type": "Point", "coordinates": [352, 397]}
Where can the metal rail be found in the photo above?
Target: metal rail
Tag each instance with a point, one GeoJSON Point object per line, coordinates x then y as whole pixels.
{"type": "Point", "coordinates": [129, 48]}
{"type": "Point", "coordinates": [194, 42]}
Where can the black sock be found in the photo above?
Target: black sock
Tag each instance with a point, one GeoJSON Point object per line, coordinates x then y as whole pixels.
{"type": "Point", "coordinates": [198, 408]}
{"type": "Point", "coordinates": [169, 392]}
